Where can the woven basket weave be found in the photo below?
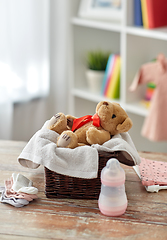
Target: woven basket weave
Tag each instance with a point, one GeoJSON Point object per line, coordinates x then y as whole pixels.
{"type": "Point", "coordinates": [62, 186]}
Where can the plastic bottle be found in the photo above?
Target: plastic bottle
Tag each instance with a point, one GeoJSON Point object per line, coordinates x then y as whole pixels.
{"type": "Point", "coordinates": [112, 199]}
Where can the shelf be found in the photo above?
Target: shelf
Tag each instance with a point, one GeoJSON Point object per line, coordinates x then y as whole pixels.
{"type": "Point", "coordinates": [85, 94]}
{"type": "Point", "coordinates": [136, 46]}
{"type": "Point", "coordinates": [96, 24]}
{"type": "Point", "coordinates": [159, 33]}
{"type": "Point", "coordinates": [135, 108]}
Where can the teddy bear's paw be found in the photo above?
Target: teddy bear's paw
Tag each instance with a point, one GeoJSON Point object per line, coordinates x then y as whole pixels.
{"type": "Point", "coordinates": [67, 139]}
{"type": "Point", "coordinates": [64, 140]}
{"type": "Point", "coordinates": [54, 120]}
{"type": "Point", "coordinates": [92, 135]}
{"type": "Point", "coordinates": [96, 136]}
{"type": "Point", "coordinates": [58, 123]}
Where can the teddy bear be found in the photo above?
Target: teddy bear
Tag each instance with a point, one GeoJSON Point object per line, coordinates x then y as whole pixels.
{"type": "Point", "coordinates": [109, 119]}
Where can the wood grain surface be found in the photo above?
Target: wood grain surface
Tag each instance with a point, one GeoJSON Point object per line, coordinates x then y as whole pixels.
{"type": "Point", "coordinates": [144, 219]}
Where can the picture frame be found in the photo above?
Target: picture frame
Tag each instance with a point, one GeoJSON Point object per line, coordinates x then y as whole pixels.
{"type": "Point", "coordinates": [108, 10]}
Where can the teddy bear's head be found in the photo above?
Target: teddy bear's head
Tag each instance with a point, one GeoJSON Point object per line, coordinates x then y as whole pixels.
{"type": "Point", "coordinates": [113, 117]}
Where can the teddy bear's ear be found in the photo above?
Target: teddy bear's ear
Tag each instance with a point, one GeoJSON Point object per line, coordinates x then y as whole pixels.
{"type": "Point", "coordinates": [116, 104]}
{"type": "Point", "coordinates": [125, 126]}
{"type": "Point", "coordinates": [105, 103]}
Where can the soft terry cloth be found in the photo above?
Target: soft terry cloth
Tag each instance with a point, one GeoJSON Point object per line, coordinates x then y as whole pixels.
{"type": "Point", "coordinates": [155, 127]}
{"type": "Point", "coordinates": [16, 202]}
{"type": "Point", "coordinates": [80, 162]}
{"type": "Point", "coordinates": [11, 195]}
{"type": "Point", "coordinates": [23, 184]}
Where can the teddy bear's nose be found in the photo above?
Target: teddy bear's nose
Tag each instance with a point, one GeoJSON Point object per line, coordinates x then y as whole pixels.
{"type": "Point", "coordinates": [105, 103]}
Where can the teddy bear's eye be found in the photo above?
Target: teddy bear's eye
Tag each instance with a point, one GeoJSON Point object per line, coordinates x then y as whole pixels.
{"type": "Point", "coordinates": [113, 116]}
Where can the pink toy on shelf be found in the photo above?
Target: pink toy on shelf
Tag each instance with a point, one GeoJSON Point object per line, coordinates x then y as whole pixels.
{"type": "Point", "coordinates": [150, 91]}
{"type": "Point", "coordinates": [112, 200]}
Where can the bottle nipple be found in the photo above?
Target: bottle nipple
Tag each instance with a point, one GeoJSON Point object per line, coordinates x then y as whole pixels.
{"type": "Point", "coordinates": [113, 174]}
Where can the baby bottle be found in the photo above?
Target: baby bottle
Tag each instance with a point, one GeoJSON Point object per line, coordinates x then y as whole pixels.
{"type": "Point", "coordinates": [112, 199]}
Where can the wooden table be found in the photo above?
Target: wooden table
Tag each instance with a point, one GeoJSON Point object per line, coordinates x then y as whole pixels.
{"type": "Point", "coordinates": [145, 217]}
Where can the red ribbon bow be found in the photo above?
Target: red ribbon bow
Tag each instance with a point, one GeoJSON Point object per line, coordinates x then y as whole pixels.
{"type": "Point", "coordinates": [79, 122]}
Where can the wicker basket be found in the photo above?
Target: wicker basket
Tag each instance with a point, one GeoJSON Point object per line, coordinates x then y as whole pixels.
{"type": "Point", "coordinates": [62, 186]}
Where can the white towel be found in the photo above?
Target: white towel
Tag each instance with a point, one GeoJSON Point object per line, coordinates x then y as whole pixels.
{"type": "Point", "coordinates": [121, 142]}
{"type": "Point", "coordinates": [23, 184]}
{"type": "Point", "coordinates": [80, 162]}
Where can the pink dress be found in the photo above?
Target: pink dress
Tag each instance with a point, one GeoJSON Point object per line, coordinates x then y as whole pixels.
{"type": "Point", "coordinates": [155, 124]}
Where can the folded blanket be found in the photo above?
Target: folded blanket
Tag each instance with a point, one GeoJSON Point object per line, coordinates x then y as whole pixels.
{"type": "Point", "coordinates": [80, 162]}
{"type": "Point", "coordinates": [153, 174]}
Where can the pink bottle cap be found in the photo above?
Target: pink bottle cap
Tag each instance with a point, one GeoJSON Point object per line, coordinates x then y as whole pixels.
{"type": "Point", "coordinates": [112, 174]}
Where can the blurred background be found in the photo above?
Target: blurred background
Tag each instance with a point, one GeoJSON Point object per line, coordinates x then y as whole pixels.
{"type": "Point", "coordinates": [43, 45]}
{"type": "Point", "coordinates": [33, 75]}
